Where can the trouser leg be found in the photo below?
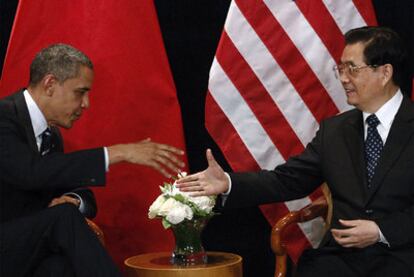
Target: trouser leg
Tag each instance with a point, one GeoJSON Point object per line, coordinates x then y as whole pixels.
{"type": "Point", "coordinates": [375, 260]}
{"type": "Point", "coordinates": [62, 230]}
{"type": "Point", "coordinates": [389, 266]}
{"type": "Point", "coordinates": [314, 262]}
{"type": "Point", "coordinates": [54, 266]}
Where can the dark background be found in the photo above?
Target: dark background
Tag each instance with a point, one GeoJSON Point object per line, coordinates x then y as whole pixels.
{"type": "Point", "coordinates": [191, 30]}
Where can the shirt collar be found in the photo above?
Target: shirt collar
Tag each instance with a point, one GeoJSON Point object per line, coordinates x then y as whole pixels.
{"type": "Point", "coordinates": [388, 111]}
{"type": "Point", "coordinates": [39, 122]}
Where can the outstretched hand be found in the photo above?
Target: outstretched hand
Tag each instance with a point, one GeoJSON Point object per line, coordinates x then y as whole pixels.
{"type": "Point", "coordinates": [211, 181]}
{"type": "Point", "coordinates": [161, 157]}
{"type": "Point", "coordinates": [360, 233]}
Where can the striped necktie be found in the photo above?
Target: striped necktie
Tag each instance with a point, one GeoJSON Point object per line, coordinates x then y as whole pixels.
{"type": "Point", "coordinates": [47, 142]}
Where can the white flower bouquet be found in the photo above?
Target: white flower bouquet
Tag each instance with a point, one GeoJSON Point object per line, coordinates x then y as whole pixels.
{"type": "Point", "coordinates": [175, 206]}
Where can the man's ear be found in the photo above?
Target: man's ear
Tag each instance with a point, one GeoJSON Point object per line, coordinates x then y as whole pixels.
{"type": "Point", "coordinates": [387, 72]}
{"type": "Point", "coordinates": [48, 83]}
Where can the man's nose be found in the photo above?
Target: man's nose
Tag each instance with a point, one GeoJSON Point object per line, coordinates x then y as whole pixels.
{"type": "Point", "coordinates": [85, 101]}
{"type": "Point", "coordinates": [343, 77]}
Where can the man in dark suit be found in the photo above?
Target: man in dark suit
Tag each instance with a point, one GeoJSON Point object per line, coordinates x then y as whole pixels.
{"type": "Point", "coordinates": [366, 157]}
{"type": "Point", "coordinates": [43, 191]}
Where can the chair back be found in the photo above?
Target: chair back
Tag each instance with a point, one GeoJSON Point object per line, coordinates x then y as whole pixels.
{"type": "Point", "coordinates": [320, 207]}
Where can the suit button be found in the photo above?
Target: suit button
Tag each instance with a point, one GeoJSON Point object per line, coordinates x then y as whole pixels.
{"type": "Point", "coordinates": [369, 211]}
{"type": "Point", "coordinates": [93, 180]}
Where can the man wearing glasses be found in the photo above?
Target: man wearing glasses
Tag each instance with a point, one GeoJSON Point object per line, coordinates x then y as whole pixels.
{"type": "Point", "coordinates": [365, 155]}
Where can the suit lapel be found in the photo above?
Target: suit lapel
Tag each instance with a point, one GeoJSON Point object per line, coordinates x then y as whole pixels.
{"type": "Point", "coordinates": [24, 118]}
{"type": "Point", "coordinates": [400, 134]}
{"type": "Point", "coordinates": [354, 137]}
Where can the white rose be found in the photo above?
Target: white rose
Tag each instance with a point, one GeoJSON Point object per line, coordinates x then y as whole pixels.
{"type": "Point", "coordinates": [167, 206]}
{"type": "Point", "coordinates": [205, 203]}
{"type": "Point", "coordinates": [155, 207]}
{"type": "Point", "coordinates": [175, 191]}
{"type": "Point", "coordinates": [179, 213]}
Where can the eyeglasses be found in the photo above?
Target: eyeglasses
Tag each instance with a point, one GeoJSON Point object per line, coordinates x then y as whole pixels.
{"type": "Point", "coordinates": [349, 69]}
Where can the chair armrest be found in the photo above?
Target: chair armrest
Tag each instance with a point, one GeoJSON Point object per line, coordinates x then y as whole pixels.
{"type": "Point", "coordinates": [98, 231]}
{"type": "Point", "coordinates": [317, 208]}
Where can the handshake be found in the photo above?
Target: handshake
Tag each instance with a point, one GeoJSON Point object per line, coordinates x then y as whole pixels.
{"type": "Point", "coordinates": [164, 158]}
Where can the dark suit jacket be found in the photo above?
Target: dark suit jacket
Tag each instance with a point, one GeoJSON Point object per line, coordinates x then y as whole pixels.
{"type": "Point", "coordinates": [336, 156]}
{"type": "Point", "coordinates": [28, 181]}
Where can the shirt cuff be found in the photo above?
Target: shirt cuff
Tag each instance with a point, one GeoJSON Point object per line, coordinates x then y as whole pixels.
{"type": "Point", "coordinates": [382, 239]}
{"type": "Point", "coordinates": [225, 194]}
{"type": "Point", "coordinates": [81, 204]}
{"type": "Point", "coordinates": [229, 179]}
{"type": "Point", "coordinates": [106, 159]}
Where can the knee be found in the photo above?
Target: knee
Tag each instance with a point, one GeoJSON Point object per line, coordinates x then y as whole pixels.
{"type": "Point", "coordinates": [67, 210]}
{"type": "Point", "coordinates": [54, 265]}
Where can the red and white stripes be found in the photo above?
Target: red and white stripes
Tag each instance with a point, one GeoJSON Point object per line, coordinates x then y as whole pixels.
{"type": "Point", "coordinates": [271, 81]}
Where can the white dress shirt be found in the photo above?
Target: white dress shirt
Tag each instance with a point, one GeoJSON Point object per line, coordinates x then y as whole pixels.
{"type": "Point", "coordinates": [385, 115]}
{"type": "Point", "coordinates": [39, 124]}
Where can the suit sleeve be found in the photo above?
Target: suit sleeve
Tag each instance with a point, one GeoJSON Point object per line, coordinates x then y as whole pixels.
{"type": "Point", "coordinates": [296, 178]}
{"type": "Point", "coordinates": [25, 169]}
{"type": "Point", "coordinates": [398, 228]}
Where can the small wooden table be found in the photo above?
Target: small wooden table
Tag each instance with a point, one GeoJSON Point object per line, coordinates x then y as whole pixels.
{"type": "Point", "coordinates": [158, 265]}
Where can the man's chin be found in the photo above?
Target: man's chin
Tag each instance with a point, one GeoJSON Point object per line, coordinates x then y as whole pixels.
{"type": "Point", "coordinates": [71, 122]}
{"type": "Point", "coordinates": [66, 125]}
{"type": "Point", "coordinates": [351, 100]}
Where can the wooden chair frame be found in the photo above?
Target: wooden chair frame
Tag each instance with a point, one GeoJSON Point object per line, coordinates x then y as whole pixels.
{"type": "Point", "coordinates": [320, 207]}
{"type": "Point", "coordinates": [97, 230]}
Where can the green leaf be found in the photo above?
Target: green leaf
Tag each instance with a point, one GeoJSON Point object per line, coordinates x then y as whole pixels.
{"type": "Point", "coordinates": [166, 224]}
{"type": "Point", "coordinates": [180, 198]}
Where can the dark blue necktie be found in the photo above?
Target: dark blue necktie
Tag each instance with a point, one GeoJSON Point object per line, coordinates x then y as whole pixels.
{"type": "Point", "coordinates": [47, 142]}
{"type": "Point", "coordinates": [373, 146]}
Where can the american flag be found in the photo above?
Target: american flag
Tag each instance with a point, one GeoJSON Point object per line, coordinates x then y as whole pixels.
{"type": "Point", "coordinates": [272, 82]}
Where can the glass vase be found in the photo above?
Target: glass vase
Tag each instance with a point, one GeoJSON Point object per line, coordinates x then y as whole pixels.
{"type": "Point", "coordinates": [188, 247]}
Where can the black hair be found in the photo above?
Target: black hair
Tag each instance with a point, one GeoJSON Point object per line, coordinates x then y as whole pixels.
{"type": "Point", "coordinates": [382, 46]}
{"type": "Point", "coordinates": [61, 60]}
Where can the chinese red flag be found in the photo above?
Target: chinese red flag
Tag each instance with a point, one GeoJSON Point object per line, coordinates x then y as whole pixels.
{"type": "Point", "coordinates": [133, 98]}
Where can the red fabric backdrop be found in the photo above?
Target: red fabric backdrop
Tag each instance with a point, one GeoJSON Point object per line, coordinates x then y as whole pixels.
{"type": "Point", "coordinates": [133, 97]}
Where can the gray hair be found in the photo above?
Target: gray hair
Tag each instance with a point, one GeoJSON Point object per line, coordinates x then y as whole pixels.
{"type": "Point", "coordinates": [61, 60]}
